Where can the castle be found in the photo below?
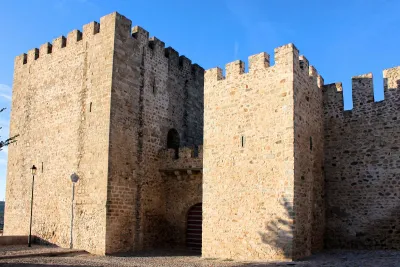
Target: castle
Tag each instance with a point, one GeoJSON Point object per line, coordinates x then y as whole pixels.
{"type": "Point", "coordinates": [258, 165]}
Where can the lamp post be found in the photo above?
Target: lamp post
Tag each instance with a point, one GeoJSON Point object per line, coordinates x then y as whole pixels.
{"type": "Point", "coordinates": [74, 179]}
{"type": "Point", "coordinates": [33, 170]}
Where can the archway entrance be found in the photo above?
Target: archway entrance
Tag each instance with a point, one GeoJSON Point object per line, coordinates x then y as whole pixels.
{"type": "Point", "coordinates": [194, 227]}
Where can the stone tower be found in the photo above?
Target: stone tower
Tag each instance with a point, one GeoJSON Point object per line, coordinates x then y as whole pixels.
{"type": "Point", "coordinates": [263, 159]}
{"type": "Point", "coordinates": [103, 103]}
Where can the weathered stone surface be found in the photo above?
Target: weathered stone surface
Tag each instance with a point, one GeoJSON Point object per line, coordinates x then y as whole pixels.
{"type": "Point", "coordinates": [261, 179]}
{"type": "Point", "coordinates": [61, 109]}
{"type": "Point", "coordinates": [281, 158]}
{"type": "Point", "coordinates": [101, 104]}
{"type": "Point", "coordinates": [362, 165]}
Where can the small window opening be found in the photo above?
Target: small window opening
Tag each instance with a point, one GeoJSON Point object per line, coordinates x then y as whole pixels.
{"type": "Point", "coordinates": [302, 64]}
{"type": "Point", "coordinates": [196, 152]}
{"type": "Point", "coordinates": [90, 107]}
{"type": "Point", "coordinates": [311, 144]}
{"type": "Point", "coordinates": [242, 141]}
{"type": "Point", "coordinates": [154, 87]}
{"type": "Point", "coordinates": [42, 167]}
{"type": "Point", "coordinates": [173, 141]}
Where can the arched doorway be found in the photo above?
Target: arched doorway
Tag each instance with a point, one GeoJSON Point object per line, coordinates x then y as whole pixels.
{"type": "Point", "coordinates": [173, 141]}
{"type": "Point", "coordinates": [194, 227]}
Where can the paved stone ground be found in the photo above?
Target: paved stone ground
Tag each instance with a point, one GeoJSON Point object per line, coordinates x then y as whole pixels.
{"type": "Point", "coordinates": [24, 250]}
{"type": "Point", "coordinates": [332, 258]}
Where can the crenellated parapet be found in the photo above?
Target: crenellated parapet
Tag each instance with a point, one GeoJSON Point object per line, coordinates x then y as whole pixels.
{"type": "Point", "coordinates": [110, 22]}
{"type": "Point", "coordinates": [363, 93]}
{"type": "Point", "coordinates": [156, 46]}
{"type": "Point", "coordinates": [257, 62]}
{"type": "Point", "coordinates": [310, 70]}
{"type": "Point", "coordinates": [286, 57]}
{"type": "Point", "coordinates": [391, 83]}
{"type": "Point", "coordinates": [59, 43]}
{"type": "Point", "coordinates": [333, 99]}
{"type": "Point", "coordinates": [362, 90]}
{"type": "Point", "coordinates": [187, 159]}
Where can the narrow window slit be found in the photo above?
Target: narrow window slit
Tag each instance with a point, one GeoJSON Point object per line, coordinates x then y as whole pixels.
{"type": "Point", "coordinates": [311, 144]}
{"type": "Point", "coordinates": [90, 107]}
{"type": "Point", "coordinates": [154, 86]}
{"type": "Point", "coordinates": [242, 141]}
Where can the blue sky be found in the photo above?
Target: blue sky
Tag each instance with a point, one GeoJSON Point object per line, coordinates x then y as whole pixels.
{"type": "Point", "coordinates": [340, 38]}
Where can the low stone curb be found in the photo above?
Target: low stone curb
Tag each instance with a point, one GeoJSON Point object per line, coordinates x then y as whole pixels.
{"type": "Point", "coordinates": [42, 254]}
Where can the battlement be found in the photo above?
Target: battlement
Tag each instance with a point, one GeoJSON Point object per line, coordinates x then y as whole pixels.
{"type": "Point", "coordinates": [282, 56]}
{"type": "Point", "coordinates": [363, 91]}
{"type": "Point", "coordinates": [183, 152]}
{"type": "Point", "coordinates": [256, 62]}
{"type": "Point", "coordinates": [137, 34]}
{"type": "Point", "coordinates": [75, 36]}
{"type": "Point", "coordinates": [333, 99]}
{"type": "Point", "coordinates": [310, 70]}
{"type": "Point", "coordinates": [188, 158]}
{"type": "Point", "coordinates": [157, 46]}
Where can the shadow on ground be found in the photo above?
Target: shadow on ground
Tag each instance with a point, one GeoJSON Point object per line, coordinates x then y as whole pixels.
{"type": "Point", "coordinates": [159, 253]}
{"type": "Point", "coordinates": [44, 265]}
{"type": "Point", "coordinates": [331, 258]}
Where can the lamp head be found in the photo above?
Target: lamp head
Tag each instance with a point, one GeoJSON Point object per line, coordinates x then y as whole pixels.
{"type": "Point", "coordinates": [74, 178]}
{"type": "Point", "coordinates": [33, 170]}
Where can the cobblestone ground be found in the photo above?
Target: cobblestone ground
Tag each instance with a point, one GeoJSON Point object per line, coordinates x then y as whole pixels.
{"type": "Point", "coordinates": [333, 258]}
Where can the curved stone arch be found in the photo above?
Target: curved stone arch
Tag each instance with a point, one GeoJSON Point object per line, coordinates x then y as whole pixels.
{"type": "Point", "coordinates": [197, 200]}
{"type": "Point", "coordinates": [193, 238]}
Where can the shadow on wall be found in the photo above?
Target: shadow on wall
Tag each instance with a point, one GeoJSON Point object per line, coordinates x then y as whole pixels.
{"type": "Point", "coordinates": [363, 189]}
{"type": "Point", "coordinates": [386, 231]}
{"type": "Point", "coordinates": [381, 233]}
{"type": "Point", "coordinates": [279, 231]}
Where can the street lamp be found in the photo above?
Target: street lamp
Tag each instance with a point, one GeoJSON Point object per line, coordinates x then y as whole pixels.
{"type": "Point", "coordinates": [74, 179]}
{"type": "Point", "coordinates": [33, 170]}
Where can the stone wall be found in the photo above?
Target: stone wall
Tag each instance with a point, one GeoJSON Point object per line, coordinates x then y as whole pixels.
{"type": "Point", "coordinates": [153, 90]}
{"type": "Point", "coordinates": [362, 165]}
{"type": "Point", "coordinates": [189, 158]}
{"type": "Point", "coordinates": [102, 103]}
{"type": "Point", "coordinates": [183, 189]}
{"type": "Point", "coordinates": [61, 110]}
{"type": "Point", "coordinates": [309, 153]}
{"type": "Point", "coordinates": [248, 159]}
{"type": "Point", "coordinates": [99, 103]}
{"type": "Point", "coordinates": [263, 185]}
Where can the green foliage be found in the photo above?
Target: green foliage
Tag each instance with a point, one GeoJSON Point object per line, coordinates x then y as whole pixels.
{"type": "Point", "coordinates": [8, 141]}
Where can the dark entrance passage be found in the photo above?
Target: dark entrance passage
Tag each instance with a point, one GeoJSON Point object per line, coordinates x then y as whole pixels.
{"type": "Point", "coordinates": [194, 228]}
